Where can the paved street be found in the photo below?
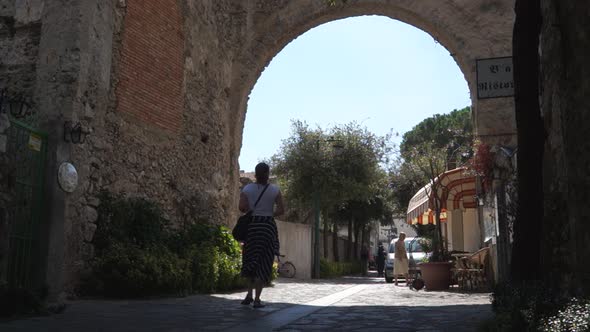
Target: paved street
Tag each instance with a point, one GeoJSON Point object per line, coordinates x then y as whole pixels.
{"type": "Point", "coordinates": [350, 304]}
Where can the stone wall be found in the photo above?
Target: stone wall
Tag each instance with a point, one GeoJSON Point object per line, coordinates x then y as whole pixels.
{"type": "Point", "coordinates": [565, 105]}
{"type": "Point", "coordinates": [193, 171]}
{"type": "Point", "coordinates": [54, 53]}
{"type": "Point", "coordinates": [94, 65]}
{"type": "Point", "coordinates": [20, 34]}
{"type": "Point", "coordinates": [69, 56]}
{"type": "Point", "coordinates": [133, 149]}
{"type": "Point", "coordinates": [139, 148]}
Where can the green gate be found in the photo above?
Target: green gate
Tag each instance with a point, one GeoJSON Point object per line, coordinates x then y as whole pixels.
{"type": "Point", "coordinates": [27, 150]}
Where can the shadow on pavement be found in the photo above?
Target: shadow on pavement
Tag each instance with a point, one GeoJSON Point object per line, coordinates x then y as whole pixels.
{"type": "Point", "coordinates": [212, 313]}
{"type": "Point", "coordinates": [402, 309]}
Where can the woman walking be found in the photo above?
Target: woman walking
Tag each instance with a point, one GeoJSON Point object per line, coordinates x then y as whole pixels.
{"type": "Point", "coordinates": [262, 242]}
{"type": "Point", "coordinates": [400, 262]}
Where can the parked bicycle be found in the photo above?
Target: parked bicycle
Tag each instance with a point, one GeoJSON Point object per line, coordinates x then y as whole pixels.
{"type": "Point", "coordinates": [286, 268]}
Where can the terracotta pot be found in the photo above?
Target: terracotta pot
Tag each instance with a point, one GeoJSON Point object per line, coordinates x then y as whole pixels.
{"type": "Point", "coordinates": [436, 275]}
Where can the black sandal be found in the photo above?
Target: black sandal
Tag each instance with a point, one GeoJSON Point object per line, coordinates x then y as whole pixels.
{"type": "Point", "coordinates": [258, 304]}
{"type": "Point", "coordinates": [247, 300]}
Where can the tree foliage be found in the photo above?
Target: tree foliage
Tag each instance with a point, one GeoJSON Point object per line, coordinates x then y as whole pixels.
{"type": "Point", "coordinates": [339, 165]}
{"type": "Point", "coordinates": [342, 169]}
{"type": "Point", "coordinates": [435, 145]}
{"type": "Point", "coordinates": [440, 131]}
{"type": "Point", "coordinates": [448, 137]}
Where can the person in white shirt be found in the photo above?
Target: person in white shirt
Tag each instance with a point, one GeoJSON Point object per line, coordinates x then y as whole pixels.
{"type": "Point", "coordinates": [262, 243]}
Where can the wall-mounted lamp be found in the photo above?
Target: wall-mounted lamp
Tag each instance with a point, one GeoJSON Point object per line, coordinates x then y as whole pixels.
{"type": "Point", "coordinates": [17, 106]}
{"type": "Point", "coordinates": [73, 133]}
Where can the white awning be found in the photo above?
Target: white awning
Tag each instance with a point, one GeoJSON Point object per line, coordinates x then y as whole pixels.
{"type": "Point", "coordinates": [457, 188]}
{"type": "Point", "coordinates": [419, 204]}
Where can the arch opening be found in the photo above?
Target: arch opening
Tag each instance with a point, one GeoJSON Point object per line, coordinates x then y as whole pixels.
{"type": "Point", "coordinates": [392, 64]}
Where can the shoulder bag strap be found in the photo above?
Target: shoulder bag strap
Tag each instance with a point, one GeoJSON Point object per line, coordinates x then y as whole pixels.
{"type": "Point", "coordinates": [260, 196]}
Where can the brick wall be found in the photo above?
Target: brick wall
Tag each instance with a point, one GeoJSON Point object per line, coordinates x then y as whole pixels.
{"type": "Point", "coordinates": [151, 64]}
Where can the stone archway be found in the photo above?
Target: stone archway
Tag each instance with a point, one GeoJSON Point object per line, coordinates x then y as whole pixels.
{"type": "Point", "coordinates": [469, 30]}
{"type": "Point", "coordinates": [101, 64]}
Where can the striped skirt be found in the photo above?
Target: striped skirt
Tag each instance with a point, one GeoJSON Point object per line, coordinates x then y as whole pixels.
{"type": "Point", "coordinates": [260, 248]}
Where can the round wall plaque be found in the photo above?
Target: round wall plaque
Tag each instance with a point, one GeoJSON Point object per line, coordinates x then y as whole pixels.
{"type": "Point", "coordinates": [67, 177]}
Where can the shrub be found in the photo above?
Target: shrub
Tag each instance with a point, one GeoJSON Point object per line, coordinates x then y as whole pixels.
{"type": "Point", "coordinates": [229, 272]}
{"type": "Point", "coordinates": [202, 232]}
{"type": "Point", "coordinates": [517, 307]}
{"type": "Point", "coordinates": [129, 271]}
{"type": "Point", "coordinates": [204, 267]}
{"type": "Point", "coordinates": [214, 255]}
{"type": "Point", "coordinates": [181, 241]}
{"type": "Point", "coordinates": [132, 221]}
{"type": "Point", "coordinates": [574, 316]}
{"type": "Point", "coordinates": [336, 269]}
{"type": "Point", "coordinates": [213, 269]}
{"type": "Point", "coordinates": [137, 254]}
{"type": "Point", "coordinates": [275, 271]}
{"type": "Point", "coordinates": [328, 269]}
{"type": "Point", "coordinates": [534, 306]}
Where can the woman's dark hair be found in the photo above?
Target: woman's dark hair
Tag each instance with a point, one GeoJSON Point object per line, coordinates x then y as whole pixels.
{"type": "Point", "coordinates": [262, 172]}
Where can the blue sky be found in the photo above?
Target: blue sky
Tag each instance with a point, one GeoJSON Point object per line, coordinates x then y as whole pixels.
{"type": "Point", "coordinates": [377, 71]}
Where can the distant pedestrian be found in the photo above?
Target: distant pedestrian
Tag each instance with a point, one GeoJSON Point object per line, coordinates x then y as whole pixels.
{"type": "Point", "coordinates": [400, 262]}
{"type": "Point", "coordinates": [380, 260]}
{"type": "Point", "coordinates": [364, 259]}
{"type": "Point", "coordinates": [262, 243]}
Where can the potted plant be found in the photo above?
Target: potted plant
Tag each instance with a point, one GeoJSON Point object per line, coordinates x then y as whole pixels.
{"type": "Point", "coordinates": [436, 270]}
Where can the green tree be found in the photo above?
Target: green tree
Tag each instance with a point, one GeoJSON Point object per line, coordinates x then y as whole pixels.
{"type": "Point", "coordinates": [440, 131]}
{"type": "Point", "coordinates": [343, 164]}
{"type": "Point", "coordinates": [428, 162]}
{"type": "Point", "coordinates": [379, 207]}
{"type": "Point", "coordinates": [305, 165]}
{"type": "Point", "coordinates": [435, 145]}
{"type": "Point", "coordinates": [450, 133]}
{"type": "Point", "coordinates": [361, 215]}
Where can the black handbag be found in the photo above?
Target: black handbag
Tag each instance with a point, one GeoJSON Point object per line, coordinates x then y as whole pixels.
{"type": "Point", "coordinates": [240, 231]}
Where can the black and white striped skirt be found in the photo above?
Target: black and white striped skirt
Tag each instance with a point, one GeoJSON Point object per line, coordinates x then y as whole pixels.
{"type": "Point", "coordinates": [260, 248]}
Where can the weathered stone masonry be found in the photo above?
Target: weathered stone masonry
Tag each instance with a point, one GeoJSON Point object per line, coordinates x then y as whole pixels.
{"type": "Point", "coordinates": [162, 86]}
{"type": "Point", "coordinates": [148, 144]}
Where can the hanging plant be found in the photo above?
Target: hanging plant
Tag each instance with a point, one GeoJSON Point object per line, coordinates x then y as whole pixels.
{"type": "Point", "coordinates": [482, 163]}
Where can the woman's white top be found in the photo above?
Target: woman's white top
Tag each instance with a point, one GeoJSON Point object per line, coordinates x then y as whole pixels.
{"type": "Point", "coordinates": [265, 206]}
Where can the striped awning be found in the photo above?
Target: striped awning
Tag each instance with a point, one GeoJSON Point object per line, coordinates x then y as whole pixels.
{"type": "Point", "coordinates": [428, 217]}
{"type": "Point", "coordinates": [419, 204]}
{"type": "Point", "coordinates": [456, 187]}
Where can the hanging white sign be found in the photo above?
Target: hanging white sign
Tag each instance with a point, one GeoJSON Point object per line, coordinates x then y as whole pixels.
{"type": "Point", "coordinates": [494, 78]}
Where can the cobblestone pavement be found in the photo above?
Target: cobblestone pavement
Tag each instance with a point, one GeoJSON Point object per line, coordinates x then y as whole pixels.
{"type": "Point", "coordinates": [385, 307]}
{"type": "Point", "coordinates": [349, 304]}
